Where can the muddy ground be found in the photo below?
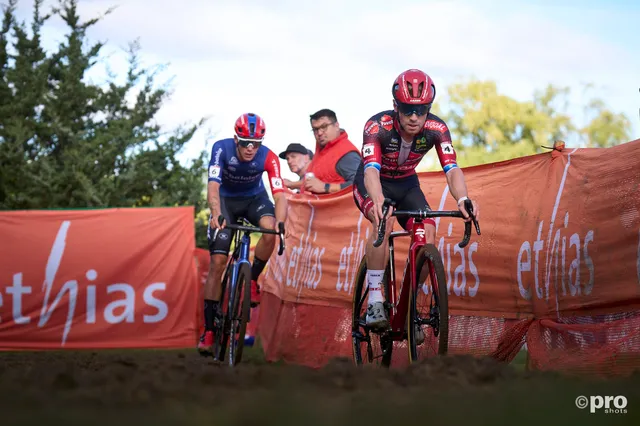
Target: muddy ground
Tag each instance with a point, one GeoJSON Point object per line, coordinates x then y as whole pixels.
{"type": "Point", "coordinates": [182, 388]}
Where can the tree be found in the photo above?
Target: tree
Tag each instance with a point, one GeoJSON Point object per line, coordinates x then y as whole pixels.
{"type": "Point", "coordinates": [487, 126]}
{"type": "Point", "coordinates": [68, 143]}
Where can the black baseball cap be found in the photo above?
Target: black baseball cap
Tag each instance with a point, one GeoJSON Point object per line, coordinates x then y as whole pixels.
{"type": "Point", "coordinates": [296, 147]}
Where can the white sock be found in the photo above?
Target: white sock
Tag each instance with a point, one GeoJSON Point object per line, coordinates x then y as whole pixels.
{"type": "Point", "coordinates": [374, 281]}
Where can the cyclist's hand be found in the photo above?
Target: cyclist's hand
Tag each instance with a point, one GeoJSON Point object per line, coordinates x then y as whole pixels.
{"type": "Point", "coordinates": [378, 202]}
{"type": "Point", "coordinates": [214, 220]}
{"type": "Point", "coordinates": [465, 213]}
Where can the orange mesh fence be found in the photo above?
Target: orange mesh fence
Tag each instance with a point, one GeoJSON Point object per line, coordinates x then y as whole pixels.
{"type": "Point", "coordinates": [557, 265]}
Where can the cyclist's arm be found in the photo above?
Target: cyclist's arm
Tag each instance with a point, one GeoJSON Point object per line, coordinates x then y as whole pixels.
{"type": "Point", "coordinates": [448, 161]}
{"type": "Point", "coordinates": [372, 159]}
{"type": "Point", "coordinates": [216, 163]}
{"type": "Point", "coordinates": [272, 167]}
{"type": "Point", "coordinates": [213, 197]}
{"type": "Point", "coordinates": [280, 202]}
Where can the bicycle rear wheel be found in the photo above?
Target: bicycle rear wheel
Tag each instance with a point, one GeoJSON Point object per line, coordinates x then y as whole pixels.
{"type": "Point", "coordinates": [239, 314]}
{"type": "Point", "coordinates": [368, 346]}
{"type": "Point", "coordinates": [428, 314]}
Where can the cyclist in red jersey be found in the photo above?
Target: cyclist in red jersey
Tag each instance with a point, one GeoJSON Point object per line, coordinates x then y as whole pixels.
{"type": "Point", "coordinates": [394, 142]}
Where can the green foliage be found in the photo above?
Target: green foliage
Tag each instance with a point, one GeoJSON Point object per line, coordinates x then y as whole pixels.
{"type": "Point", "coordinates": [68, 143]}
{"type": "Point", "coordinates": [487, 126]}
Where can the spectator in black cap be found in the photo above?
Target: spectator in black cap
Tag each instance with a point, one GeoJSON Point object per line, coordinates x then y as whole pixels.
{"type": "Point", "coordinates": [298, 158]}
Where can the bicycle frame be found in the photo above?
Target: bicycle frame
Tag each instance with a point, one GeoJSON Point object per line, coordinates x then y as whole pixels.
{"type": "Point", "coordinates": [399, 306]}
{"type": "Point", "coordinates": [241, 251]}
{"type": "Point", "coordinates": [239, 256]}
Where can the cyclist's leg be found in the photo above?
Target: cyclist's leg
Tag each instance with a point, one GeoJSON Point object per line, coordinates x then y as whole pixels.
{"type": "Point", "coordinates": [261, 212]}
{"type": "Point", "coordinates": [376, 257]}
{"type": "Point", "coordinates": [219, 251]}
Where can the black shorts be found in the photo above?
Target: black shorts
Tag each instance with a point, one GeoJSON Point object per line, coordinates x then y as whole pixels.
{"type": "Point", "coordinates": [251, 208]}
{"type": "Point", "coordinates": [406, 193]}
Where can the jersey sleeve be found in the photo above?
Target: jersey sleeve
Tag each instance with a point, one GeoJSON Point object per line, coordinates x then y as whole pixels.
{"type": "Point", "coordinates": [371, 150]}
{"type": "Point", "coordinates": [272, 167]}
{"type": "Point", "coordinates": [444, 147]}
{"type": "Point", "coordinates": [217, 162]}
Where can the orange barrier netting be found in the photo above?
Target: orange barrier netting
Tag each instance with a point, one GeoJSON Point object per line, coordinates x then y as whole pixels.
{"type": "Point", "coordinates": [557, 265]}
{"type": "Point", "coordinates": [112, 278]}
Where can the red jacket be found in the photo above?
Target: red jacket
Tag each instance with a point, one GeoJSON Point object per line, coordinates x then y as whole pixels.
{"type": "Point", "coordinates": [323, 165]}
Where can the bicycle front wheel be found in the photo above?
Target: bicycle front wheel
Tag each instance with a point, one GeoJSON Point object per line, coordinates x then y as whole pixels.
{"type": "Point", "coordinates": [222, 315]}
{"type": "Point", "coordinates": [239, 314]}
{"type": "Point", "coordinates": [428, 313]}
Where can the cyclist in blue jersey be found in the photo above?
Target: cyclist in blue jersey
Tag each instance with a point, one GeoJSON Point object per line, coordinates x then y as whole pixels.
{"type": "Point", "coordinates": [234, 190]}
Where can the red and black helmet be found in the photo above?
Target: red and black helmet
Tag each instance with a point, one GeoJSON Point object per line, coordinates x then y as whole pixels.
{"type": "Point", "coordinates": [250, 126]}
{"type": "Point", "coordinates": [411, 89]}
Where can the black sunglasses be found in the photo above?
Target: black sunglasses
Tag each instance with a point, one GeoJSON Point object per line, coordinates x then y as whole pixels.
{"type": "Point", "coordinates": [409, 110]}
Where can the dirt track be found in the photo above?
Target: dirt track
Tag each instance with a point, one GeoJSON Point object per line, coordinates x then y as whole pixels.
{"type": "Point", "coordinates": [180, 387]}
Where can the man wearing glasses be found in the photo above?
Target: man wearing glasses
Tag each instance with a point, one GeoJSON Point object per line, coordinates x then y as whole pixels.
{"type": "Point", "coordinates": [234, 190]}
{"type": "Point", "coordinates": [335, 160]}
{"type": "Point", "coordinates": [394, 142]}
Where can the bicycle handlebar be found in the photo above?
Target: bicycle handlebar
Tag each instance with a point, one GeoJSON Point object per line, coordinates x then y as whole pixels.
{"type": "Point", "coordinates": [424, 214]}
{"type": "Point", "coordinates": [279, 232]}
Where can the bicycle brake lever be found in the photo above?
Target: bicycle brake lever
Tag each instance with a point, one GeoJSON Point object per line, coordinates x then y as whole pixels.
{"type": "Point", "coordinates": [281, 235]}
{"type": "Point", "coordinates": [477, 225]}
{"type": "Point", "coordinates": [469, 206]}
{"type": "Point", "coordinates": [382, 225]}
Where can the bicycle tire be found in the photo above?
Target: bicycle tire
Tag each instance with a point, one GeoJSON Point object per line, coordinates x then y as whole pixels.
{"type": "Point", "coordinates": [240, 304]}
{"type": "Point", "coordinates": [360, 292]}
{"type": "Point", "coordinates": [221, 328]}
{"type": "Point", "coordinates": [429, 253]}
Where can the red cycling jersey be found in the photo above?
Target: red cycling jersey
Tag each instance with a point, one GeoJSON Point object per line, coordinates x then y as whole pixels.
{"type": "Point", "coordinates": [384, 149]}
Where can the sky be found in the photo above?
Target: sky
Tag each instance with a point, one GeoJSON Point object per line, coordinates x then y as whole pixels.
{"type": "Point", "coordinates": [286, 59]}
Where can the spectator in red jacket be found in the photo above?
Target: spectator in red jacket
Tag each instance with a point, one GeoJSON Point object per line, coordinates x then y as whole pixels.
{"type": "Point", "coordinates": [335, 160]}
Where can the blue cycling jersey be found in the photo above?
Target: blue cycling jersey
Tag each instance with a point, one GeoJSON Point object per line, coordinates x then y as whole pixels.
{"type": "Point", "coordinates": [243, 178]}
